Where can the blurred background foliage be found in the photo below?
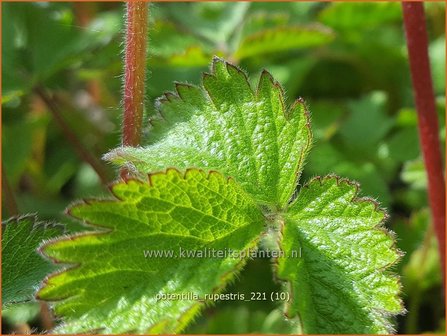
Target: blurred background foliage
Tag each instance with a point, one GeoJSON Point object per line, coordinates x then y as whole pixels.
{"type": "Point", "coordinates": [61, 83]}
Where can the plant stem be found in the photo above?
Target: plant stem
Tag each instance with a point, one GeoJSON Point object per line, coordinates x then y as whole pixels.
{"type": "Point", "coordinates": [417, 43]}
{"type": "Point", "coordinates": [46, 316]}
{"type": "Point", "coordinates": [8, 194]}
{"type": "Point", "coordinates": [79, 148]}
{"type": "Point", "coordinates": [134, 71]}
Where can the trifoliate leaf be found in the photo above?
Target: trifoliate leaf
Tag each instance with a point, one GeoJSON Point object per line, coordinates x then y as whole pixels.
{"type": "Point", "coordinates": [227, 126]}
{"type": "Point", "coordinates": [119, 280]}
{"type": "Point", "coordinates": [337, 259]}
{"type": "Point", "coordinates": [22, 267]}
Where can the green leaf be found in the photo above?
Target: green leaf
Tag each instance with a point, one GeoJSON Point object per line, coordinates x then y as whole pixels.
{"type": "Point", "coordinates": [114, 287]}
{"type": "Point", "coordinates": [22, 267]}
{"type": "Point", "coordinates": [338, 278]}
{"type": "Point", "coordinates": [227, 126]}
{"type": "Point", "coordinates": [40, 41]}
{"type": "Point", "coordinates": [170, 46]}
{"type": "Point", "coordinates": [213, 21]}
{"type": "Point", "coordinates": [282, 39]}
{"type": "Point", "coordinates": [404, 144]}
{"type": "Point", "coordinates": [327, 158]}
{"type": "Point", "coordinates": [355, 17]}
{"type": "Point", "coordinates": [411, 232]}
{"type": "Point", "coordinates": [437, 60]}
{"type": "Point", "coordinates": [259, 21]}
{"type": "Point", "coordinates": [245, 320]}
{"type": "Point", "coordinates": [17, 144]}
{"type": "Point", "coordinates": [367, 123]}
{"type": "Point", "coordinates": [414, 174]}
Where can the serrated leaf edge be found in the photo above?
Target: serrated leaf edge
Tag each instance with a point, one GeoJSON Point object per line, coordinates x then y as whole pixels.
{"type": "Point", "coordinates": [225, 279]}
{"type": "Point", "coordinates": [169, 96]}
{"type": "Point", "coordinates": [36, 225]}
{"type": "Point", "coordinates": [379, 227]}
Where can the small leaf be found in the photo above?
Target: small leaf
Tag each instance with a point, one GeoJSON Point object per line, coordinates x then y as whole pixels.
{"type": "Point", "coordinates": [114, 287]}
{"type": "Point", "coordinates": [249, 135]}
{"type": "Point", "coordinates": [281, 39]}
{"type": "Point", "coordinates": [22, 267]}
{"type": "Point", "coordinates": [338, 279]}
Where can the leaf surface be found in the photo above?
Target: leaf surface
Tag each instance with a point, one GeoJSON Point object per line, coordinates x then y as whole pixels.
{"type": "Point", "coordinates": [227, 126]}
{"type": "Point", "coordinates": [22, 267]}
{"type": "Point", "coordinates": [113, 288]}
{"type": "Point", "coordinates": [338, 256]}
{"type": "Point", "coordinates": [282, 39]}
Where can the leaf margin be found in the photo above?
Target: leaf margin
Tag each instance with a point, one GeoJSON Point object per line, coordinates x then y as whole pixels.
{"type": "Point", "coordinates": [380, 226]}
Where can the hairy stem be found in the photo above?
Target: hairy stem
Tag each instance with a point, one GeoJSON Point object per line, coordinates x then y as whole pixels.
{"type": "Point", "coordinates": [8, 195]}
{"type": "Point", "coordinates": [46, 316]}
{"type": "Point", "coordinates": [417, 43]}
{"type": "Point", "coordinates": [134, 71]}
{"type": "Point", "coordinates": [71, 136]}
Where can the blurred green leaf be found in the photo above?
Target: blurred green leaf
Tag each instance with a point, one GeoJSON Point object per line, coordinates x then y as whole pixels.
{"type": "Point", "coordinates": [367, 122]}
{"type": "Point", "coordinates": [42, 39]}
{"type": "Point", "coordinates": [103, 28]}
{"type": "Point", "coordinates": [423, 268]}
{"type": "Point", "coordinates": [282, 39]}
{"type": "Point", "coordinates": [22, 268]}
{"type": "Point", "coordinates": [326, 118]}
{"type": "Point", "coordinates": [407, 117]}
{"type": "Point", "coordinates": [214, 21]}
{"type": "Point", "coordinates": [169, 45]}
{"type": "Point", "coordinates": [243, 321]}
{"type": "Point", "coordinates": [17, 144]}
{"type": "Point", "coordinates": [20, 313]}
{"type": "Point", "coordinates": [325, 158]}
{"type": "Point", "coordinates": [355, 16]}
{"type": "Point", "coordinates": [437, 58]}
{"type": "Point", "coordinates": [260, 21]}
{"type": "Point", "coordinates": [404, 144]}
{"type": "Point", "coordinates": [411, 233]}
{"type": "Point", "coordinates": [414, 174]}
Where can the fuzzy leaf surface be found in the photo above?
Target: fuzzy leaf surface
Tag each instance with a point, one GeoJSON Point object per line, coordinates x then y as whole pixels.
{"type": "Point", "coordinates": [114, 287]}
{"type": "Point", "coordinates": [227, 126]}
{"type": "Point", "coordinates": [339, 279]}
{"type": "Point", "coordinates": [22, 267]}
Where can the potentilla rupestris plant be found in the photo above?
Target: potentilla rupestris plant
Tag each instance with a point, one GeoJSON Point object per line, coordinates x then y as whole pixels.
{"type": "Point", "coordinates": [219, 170]}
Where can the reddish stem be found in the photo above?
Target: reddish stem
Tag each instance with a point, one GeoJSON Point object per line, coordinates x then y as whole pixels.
{"type": "Point", "coordinates": [71, 136]}
{"type": "Point", "coordinates": [417, 43]}
{"type": "Point", "coordinates": [134, 71]}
